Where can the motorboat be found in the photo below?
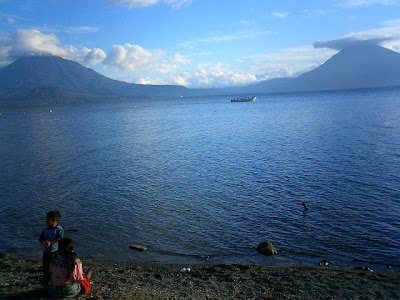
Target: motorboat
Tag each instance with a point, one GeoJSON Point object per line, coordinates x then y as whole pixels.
{"type": "Point", "coordinates": [248, 99]}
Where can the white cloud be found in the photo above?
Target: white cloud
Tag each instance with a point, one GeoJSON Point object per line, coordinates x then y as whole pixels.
{"type": "Point", "coordinates": [133, 57]}
{"type": "Point", "coordinates": [94, 57]}
{"type": "Point", "coordinates": [390, 30]}
{"type": "Point", "coordinates": [387, 36]}
{"type": "Point", "coordinates": [205, 76]}
{"type": "Point", "coordinates": [275, 71]}
{"type": "Point", "coordinates": [287, 62]}
{"type": "Point", "coordinates": [122, 57]}
{"type": "Point", "coordinates": [130, 57]}
{"type": "Point", "coordinates": [236, 36]}
{"type": "Point", "coordinates": [133, 3]}
{"type": "Point", "coordinates": [172, 63]}
{"type": "Point", "coordinates": [81, 29]}
{"type": "Point", "coordinates": [280, 15]}
{"type": "Point", "coordinates": [146, 3]}
{"type": "Point", "coordinates": [246, 22]}
{"type": "Point", "coordinates": [33, 42]}
{"type": "Point", "coordinates": [358, 3]}
{"type": "Point", "coordinates": [211, 77]}
{"type": "Point", "coordinates": [9, 18]}
{"type": "Point", "coordinates": [147, 81]}
{"type": "Point", "coordinates": [4, 59]}
{"type": "Point", "coordinates": [315, 13]}
{"type": "Point", "coordinates": [349, 41]}
{"type": "Point", "coordinates": [178, 3]}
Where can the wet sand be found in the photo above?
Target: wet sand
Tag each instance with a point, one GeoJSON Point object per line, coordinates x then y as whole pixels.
{"type": "Point", "coordinates": [21, 279]}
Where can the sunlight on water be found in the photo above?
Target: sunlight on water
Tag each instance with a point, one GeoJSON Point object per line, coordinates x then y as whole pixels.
{"type": "Point", "coordinates": [199, 177]}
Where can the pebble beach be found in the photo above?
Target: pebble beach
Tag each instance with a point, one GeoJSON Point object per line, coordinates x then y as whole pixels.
{"type": "Point", "coordinates": [21, 279]}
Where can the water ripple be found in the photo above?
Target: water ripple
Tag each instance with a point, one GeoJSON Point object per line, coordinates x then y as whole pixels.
{"type": "Point", "coordinates": [198, 177]}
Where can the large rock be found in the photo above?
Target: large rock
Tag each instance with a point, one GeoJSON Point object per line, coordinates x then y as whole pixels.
{"type": "Point", "coordinates": [138, 247]}
{"type": "Point", "coordinates": [266, 248]}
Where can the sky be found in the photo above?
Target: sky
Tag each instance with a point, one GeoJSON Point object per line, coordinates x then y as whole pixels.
{"type": "Point", "coordinates": [195, 43]}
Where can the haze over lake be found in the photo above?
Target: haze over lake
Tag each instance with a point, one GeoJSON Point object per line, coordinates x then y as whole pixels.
{"type": "Point", "coordinates": [196, 177]}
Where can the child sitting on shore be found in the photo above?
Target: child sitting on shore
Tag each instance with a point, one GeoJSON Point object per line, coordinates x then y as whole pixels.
{"type": "Point", "coordinates": [49, 238]}
{"type": "Point", "coordinates": [67, 277]}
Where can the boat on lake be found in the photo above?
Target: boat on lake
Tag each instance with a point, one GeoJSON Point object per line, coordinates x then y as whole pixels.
{"type": "Point", "coordinates": [248, 99]}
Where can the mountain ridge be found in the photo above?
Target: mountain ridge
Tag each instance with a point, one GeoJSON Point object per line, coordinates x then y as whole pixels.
{"type": "Point", "coordinates": [352, 68]}
{"type": "Point", "coordinates": [34, 72]}
{"type": "Point", "coordinates": [54, 79]}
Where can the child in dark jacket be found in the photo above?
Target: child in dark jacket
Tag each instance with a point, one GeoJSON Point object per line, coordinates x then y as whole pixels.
{"type": "Point", "coordinates": [49, 238]}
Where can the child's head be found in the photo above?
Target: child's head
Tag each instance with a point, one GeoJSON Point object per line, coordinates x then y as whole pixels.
{"type": "Point", "coordinates": [52, 218]}
{"type": "Point", "coordinates": [66, 249]}
{"type": "Point", "coordinates": [66, 245]}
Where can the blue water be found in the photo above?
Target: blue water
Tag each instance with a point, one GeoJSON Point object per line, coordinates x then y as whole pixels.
{"type": "Point", "coordinates": [195, 177]}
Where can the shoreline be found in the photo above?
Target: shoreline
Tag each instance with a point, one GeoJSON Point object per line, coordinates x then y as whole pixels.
{"type": "Point", "coordinates": [21, 279]}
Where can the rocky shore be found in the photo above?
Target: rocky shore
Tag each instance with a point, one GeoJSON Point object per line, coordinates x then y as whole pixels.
{"type": "Point", "coordinates": [21, 279]}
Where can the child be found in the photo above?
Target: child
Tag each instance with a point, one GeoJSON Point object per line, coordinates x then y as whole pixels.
{"type": "Point", "coordinates": [49, 238]}
{"type": "Point", "coordinates": [66, 273]}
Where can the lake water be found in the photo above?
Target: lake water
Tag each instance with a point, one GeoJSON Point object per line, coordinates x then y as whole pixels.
{"type": "Point", "coordinates": [197, 177]}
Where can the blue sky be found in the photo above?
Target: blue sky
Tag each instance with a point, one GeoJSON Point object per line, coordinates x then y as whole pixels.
{"type": "Point", "coordinates": [196, 43]}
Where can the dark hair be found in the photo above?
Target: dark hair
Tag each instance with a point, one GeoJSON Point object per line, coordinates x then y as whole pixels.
{"type": "Point", "coordinates": [55, 215]}
{"type": "Point", "coordinates": [66, 249]}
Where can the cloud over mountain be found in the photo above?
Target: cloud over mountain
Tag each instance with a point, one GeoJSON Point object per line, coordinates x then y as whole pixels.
{"type": "Point", "coordinates": [386, 35]}
{"type": "Point", "coordinates": [28, 42]}
{"type": "Point", "coordinates": [125, 57]}
{"type": "Point", "coordinates": [33, 42]}
{"type": "Point", "coordinates": [351, 41]}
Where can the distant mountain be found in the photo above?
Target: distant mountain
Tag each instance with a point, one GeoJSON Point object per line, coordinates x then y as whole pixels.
{"type": "Point", "coordinates": [49, 79]}
{"type": "Point", "coordinates": [354, 67]}
{"type": "Point", "coordinates": [52, 77]}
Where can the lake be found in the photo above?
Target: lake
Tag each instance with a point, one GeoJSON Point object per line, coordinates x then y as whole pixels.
{"type": "Point", "coordinates": [203, 177]}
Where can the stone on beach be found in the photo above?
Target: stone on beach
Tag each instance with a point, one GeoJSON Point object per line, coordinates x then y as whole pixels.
{"type": "Point", "coordinates": [324, 262]}
{"type": "Point", "coordinates": [138, 247]}
{"type": "Point", "coordinates": [185, 270]}
{"type": "Point", "coordinates": [266, 248]}
{"type": "Point", "coordinates": [363, 268]}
